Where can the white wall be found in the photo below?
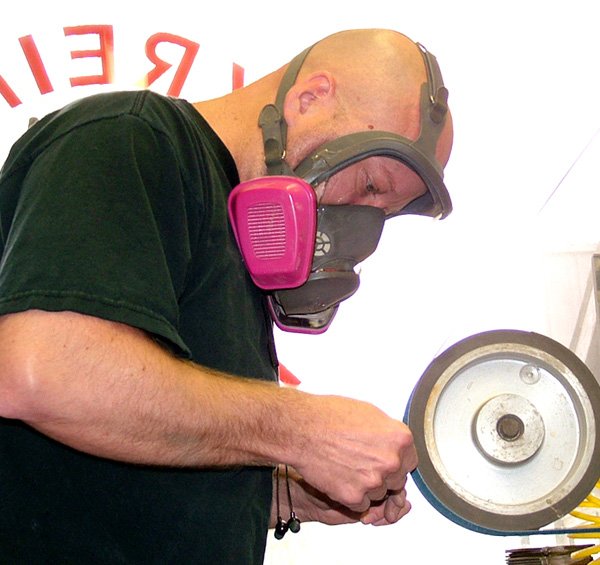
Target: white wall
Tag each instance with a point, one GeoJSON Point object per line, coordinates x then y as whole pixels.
{"type": "Point", "coordinates": [523, 86]}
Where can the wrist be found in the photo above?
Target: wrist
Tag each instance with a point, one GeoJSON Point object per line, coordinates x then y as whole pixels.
{"type": "Point", "coordinates": [292, 427]}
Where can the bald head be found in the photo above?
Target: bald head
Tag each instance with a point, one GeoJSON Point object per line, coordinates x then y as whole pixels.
{"type": "Point", "coordinates": [378, 76]}
{"type": "Point", "coordinates": [351, 81]}
{"type": "Point", "coordinates": [373, 78]}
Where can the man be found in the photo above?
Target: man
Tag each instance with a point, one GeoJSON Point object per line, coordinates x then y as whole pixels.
{"type": "Point", "coordinates": [139, 416]}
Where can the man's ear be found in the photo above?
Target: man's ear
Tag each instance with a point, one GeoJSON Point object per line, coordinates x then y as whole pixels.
{"type": "Point", "coordinates": [311, 93]}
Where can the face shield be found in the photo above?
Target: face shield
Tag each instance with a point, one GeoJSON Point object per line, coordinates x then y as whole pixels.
{"type": "Point", "coordinates": [321, 266]}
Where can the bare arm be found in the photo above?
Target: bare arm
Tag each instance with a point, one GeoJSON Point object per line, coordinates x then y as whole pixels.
{"type": "Point", "coordinates": [108, 389]}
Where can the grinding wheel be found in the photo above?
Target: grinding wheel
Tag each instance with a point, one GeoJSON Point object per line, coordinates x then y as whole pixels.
{"type": "Point", "coordinates": [507, 429]}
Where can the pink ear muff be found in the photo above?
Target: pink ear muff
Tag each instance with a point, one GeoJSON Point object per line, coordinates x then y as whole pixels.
{"type": "Point", "coordinates": [274, 222]}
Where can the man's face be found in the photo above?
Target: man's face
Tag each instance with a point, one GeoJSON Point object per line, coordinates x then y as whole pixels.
{"type": "Point", "coordinates": [377, 181]}
{"type": "Point", "coordinates": [382, 182]}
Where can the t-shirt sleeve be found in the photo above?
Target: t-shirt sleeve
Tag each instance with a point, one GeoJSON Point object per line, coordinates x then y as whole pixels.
{"type": "Point", "coordinates": [101, 228]}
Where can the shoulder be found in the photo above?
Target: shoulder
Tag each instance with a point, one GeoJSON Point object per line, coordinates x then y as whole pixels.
{"type": "Point", "coordinates": [110, 113]}
{"type": "Point", "coordinates": [157, 110]}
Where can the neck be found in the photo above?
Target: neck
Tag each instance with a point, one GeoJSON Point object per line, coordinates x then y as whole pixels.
{"type": "Point", "coordinates": [234, 117]}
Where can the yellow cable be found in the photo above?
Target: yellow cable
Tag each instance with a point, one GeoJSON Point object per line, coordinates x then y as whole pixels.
{"type": "Point", "coordinates": [585, 552]}
{"type": "Point", "coordinates": [589, 517]}
{"type": "Point", "coordinates": [593, 520]}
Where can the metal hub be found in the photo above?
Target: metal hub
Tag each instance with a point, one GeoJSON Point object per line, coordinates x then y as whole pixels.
{"type": "Point", "coordinates": [509, 429]}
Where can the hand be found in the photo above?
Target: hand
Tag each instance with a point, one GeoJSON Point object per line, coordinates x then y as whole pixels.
{"type": "Point", "coordinates": [357, 456]}
{"type": "Point", "coordinates": [387, 511]}
{"type": "Point", "coordinates": [311, 505]}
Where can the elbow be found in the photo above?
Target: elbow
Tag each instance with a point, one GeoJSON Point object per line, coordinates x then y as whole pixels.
{"type": "Point", "coordinates": [21, 389]}
{"type": "Point", "coordinates": [17, 387]}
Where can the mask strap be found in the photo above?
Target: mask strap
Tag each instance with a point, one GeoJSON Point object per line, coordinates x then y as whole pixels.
{"type": "Point", "coordinates": [438, 93]}
{"type": "Point", "coordinates": [272, 123]}
{"type": "Point", "coordinates": [434, 105]}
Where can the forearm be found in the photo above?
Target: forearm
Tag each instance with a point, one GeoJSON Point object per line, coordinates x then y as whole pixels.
{"type": "Point", "coordinates": [107, 389]}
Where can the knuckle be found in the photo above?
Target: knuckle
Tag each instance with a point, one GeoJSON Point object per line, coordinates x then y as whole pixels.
{"type": "Point", "coordinates": [404, 436]}
{"type": "Point", "coordinates": [353, 499]}
{"type": "Point", "coordinates": [392, 465]}
{"type": "Point", "coordinates": [372, 479]}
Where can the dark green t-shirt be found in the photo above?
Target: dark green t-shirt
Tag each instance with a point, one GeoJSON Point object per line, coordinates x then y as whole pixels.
{"type": "Point", "coordinates": [116, 207]}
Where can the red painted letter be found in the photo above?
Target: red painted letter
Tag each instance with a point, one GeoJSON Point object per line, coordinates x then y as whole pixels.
{"type": "Point", "coordinates": [105, 53]}
{"type": "Point", "coordinates": [160, 66]}
{"type": "Point", "coordinates": [8, 93]}
{"type": "Point", "coordinates": [35, 64]}
{"type": "Point", "coordinates": [237, 77]}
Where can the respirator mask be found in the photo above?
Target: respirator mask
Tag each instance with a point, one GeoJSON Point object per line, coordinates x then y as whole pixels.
{"type": "Point", "coordinates": [304, 254]}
